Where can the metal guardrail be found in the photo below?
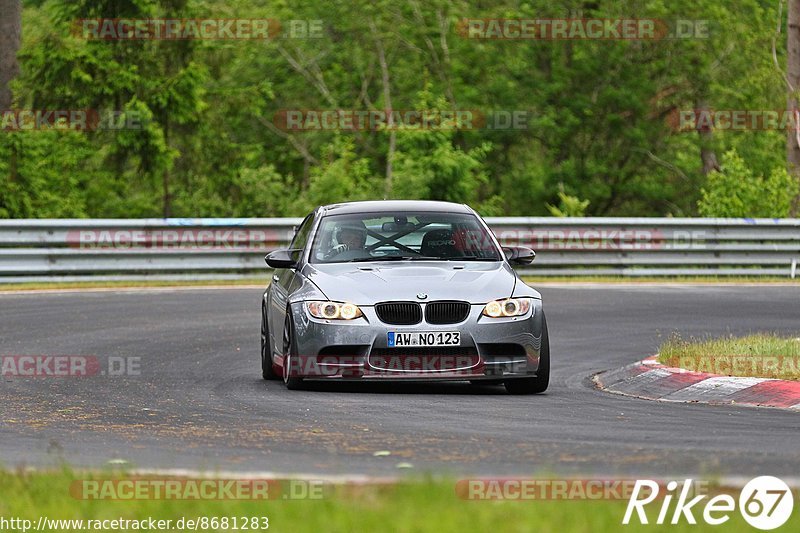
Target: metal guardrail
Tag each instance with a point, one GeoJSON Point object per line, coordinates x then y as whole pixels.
{"type": "Point", "coordinates": [32, 250]}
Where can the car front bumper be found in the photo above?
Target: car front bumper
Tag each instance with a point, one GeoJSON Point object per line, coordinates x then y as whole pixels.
{"type": "Point", "coordinates": [490, 349]}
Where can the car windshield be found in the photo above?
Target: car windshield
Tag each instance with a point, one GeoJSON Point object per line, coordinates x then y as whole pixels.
{"type": "Point", "coordinates": [402, 236]}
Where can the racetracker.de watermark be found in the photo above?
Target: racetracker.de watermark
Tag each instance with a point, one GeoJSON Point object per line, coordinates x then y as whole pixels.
{"type": "Point", "coordinates": [68, 366]}
{"type": "Point", "coordinates": [692, 120]}
{"type": "Point", "coordinates": [146, 488]}
{"type": "Point", "coordinates": [599, 29]}
{"type": "Point", "coordinates": [408, 363]}
{"type": "Point", "coordinates": [299, 120]}
{"type": "Point", "coordinates": [584, 239]}
{"type": "Point", "coordinates": [553, 489]}
{"type": "Point", "coordinates": [785, 366]}
{"type": "Point", "coordinates": [608, 239]}
{"type": "Point", "coordinates": [178, 238]}
{"type": "Point", "coordinates": [70, 120]}
{"type": "Point", "coordinates": [166, 29]}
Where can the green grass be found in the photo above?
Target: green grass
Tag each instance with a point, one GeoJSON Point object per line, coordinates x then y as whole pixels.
{"type": "Point", "coordinates": [56, 285]}
{"type": "Point", "coordinates": [712, 279]}
{"type": "Point", "coordinates": [419, 506]}
{"type": "Point", "coordinates": [263, 280]}
{"type": "Point", "coordinates": [764, 355]}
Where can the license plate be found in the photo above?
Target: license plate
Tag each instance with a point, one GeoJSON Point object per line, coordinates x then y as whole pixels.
{"type": "Point", "coordinates": [423, 338]}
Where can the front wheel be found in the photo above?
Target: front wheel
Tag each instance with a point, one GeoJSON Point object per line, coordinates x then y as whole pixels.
{"type": "Point", "coordinates": [539, 383]}
{"type": "Point", "coordinates": [290, 358]}
{"type": "Point", "coordinates": [267, 368]}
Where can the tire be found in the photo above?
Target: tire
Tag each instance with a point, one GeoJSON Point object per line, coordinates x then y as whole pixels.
{"type": "Point", "coordinates": [267, 369]}
{"type": "Point", "coordinates": [538, 384]}
{"type": "Point", "coordinates": [290, 352]}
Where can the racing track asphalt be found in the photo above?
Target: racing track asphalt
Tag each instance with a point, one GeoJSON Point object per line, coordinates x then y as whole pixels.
{"type": "Point", "coordinates": [200, 403]}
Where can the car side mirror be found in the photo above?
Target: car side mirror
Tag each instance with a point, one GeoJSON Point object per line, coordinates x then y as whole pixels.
{"type": "Point", "coordinates": [519, 255]}
{"type": "Point", "coordinates": [282, 258]}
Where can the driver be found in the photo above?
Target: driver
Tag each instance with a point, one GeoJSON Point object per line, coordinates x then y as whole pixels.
{"type": "Point", "coordinates": [350, 235]}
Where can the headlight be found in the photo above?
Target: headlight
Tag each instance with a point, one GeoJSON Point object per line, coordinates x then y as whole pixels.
{"type": "Point", "coordinates": [333, 310]}
{"type": "Point", "coordinates": [508, 307]}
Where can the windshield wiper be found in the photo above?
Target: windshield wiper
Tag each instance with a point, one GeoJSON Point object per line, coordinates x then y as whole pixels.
{"type": "Point", "coordinates": [470, 258]}
{"type": "Point", "coordinates": [379, 258]}
{"type": "Point", "coordinates": [418, 258]}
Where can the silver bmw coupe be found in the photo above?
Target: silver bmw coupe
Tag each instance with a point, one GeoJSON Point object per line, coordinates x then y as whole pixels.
{"type": "Point", "coordinates": [402, 290]}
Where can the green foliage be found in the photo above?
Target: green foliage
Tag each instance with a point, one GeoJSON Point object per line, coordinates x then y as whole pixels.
{"type": "Point", "coordinates": [569, 206]}
{"type": "Point", "coordinates": [427, 164]}
{"type": "Point", "coordinates": [735, 191]}
{"type": "Point", "coordinates": [342, 177]}
{"type": "Point", "coordinates": [45, 174]}
{"type": "Point", "coordinates": [157, 81]}
{"type": "Point", "coordinates": [596, 142]}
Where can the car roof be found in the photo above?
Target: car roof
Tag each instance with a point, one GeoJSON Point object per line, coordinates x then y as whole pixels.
{"type": "Point", "coordinates": [382, 206]}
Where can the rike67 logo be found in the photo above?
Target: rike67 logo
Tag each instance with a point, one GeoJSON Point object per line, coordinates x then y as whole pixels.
{"type": "Point", "coordinates": [765, 503]}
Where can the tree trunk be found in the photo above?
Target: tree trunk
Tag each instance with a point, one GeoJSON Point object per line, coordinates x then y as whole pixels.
{"type": "Point", "coordinates": [10, 36]}
{"type": "Point", "coordinates": [166, 196]}
{"type": "Point", "coordinates": [707, 154]}
{"type": "Point", "coordinates": [793, 74]}
{"type": "Point", "coordinates": [387, 104]}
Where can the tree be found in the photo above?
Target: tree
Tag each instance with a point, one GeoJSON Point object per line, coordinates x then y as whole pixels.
{"type": "Point", "coordinates": [158, 82]}
{"type": "Point", "coordinates": [793, 79]}
{"type": "Point", "coordinates": [595, 110]}
{"type": "Point", "coordinates": [735, 191]}
{"type": "Point", "coordinates": [10, 37]}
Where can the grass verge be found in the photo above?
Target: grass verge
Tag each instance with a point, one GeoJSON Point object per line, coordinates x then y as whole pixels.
{"type": "Point", "coordinates": [58, 285]}
{"type": "Point", "coordinates": [262, 281]}
{"type": "Point", "coordinates": [533, 280]}
{"type": "Point", "coordinates": [408, 506]}
{"type": "Point", "coordinates": [763, 355]}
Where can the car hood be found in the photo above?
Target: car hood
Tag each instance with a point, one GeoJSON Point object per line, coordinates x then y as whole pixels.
{"type": "Point", "coordinates": [368, 283]}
